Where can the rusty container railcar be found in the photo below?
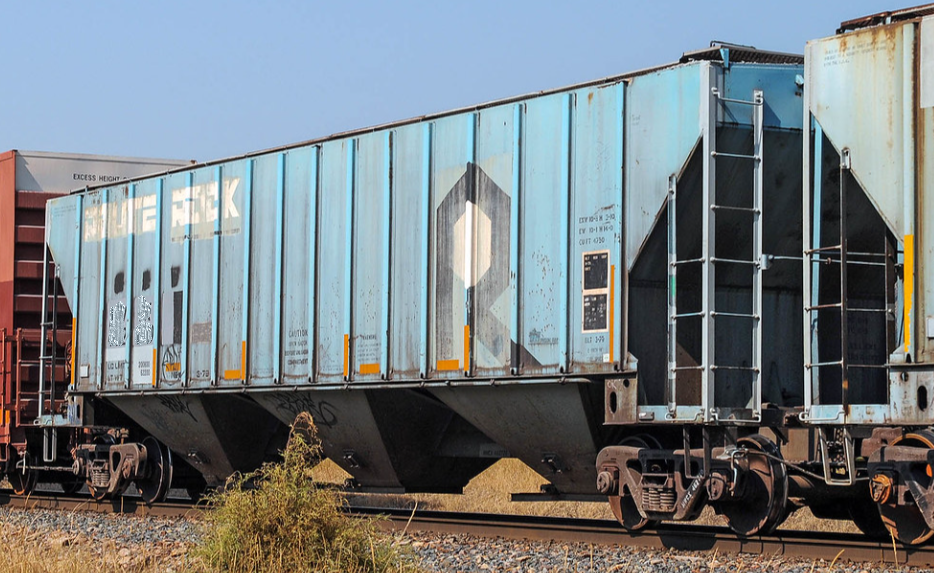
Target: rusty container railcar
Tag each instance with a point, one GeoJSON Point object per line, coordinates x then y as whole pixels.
{"type": "Point", "coordinates": [870, 96]}
{"type": "Point", "coordinates": [27, 180]}
{"type": "Point", "coordinates": [869, 192]}
{"type": "Point", "coordinates": [438, 293]}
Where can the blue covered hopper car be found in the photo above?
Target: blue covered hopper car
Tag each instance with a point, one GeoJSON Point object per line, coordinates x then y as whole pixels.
{"type": "Point", "coordinates": [672, 289]}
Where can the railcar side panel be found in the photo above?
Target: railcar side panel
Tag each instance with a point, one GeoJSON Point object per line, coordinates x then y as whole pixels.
{"type": "Point", "coordinates": [411, 169]}
{"type": "Point", "coordinates": [202, 200]}
{"type": "Point", "coordinates": [232, 304]}
{"type": "Point", "coordinates": [494, 181]}
{"type": "Point", "coordinates": [662, 127]}
{"type": "Point", "coordinates": [268, 184]}
{"type": "Point", "coordinates": [543, 252]}
{"type": "Point", "coordinates": [333, 353]}
{"type": "Point", "coordinates": [89, 299]}
{"type": "Point", "coordinates": [298, 259]}
{"type": "Point", "coordinates": [114, 334]}
{"type": "Point", "coordinates": [144, 287]}
{"type": "Point", "coordinates": [452, 161]}
{"type": "Point", "coordinates": [172, 362]}
{"type": "Point", "coordinates": [595, 239]}
{"type": "Point", "coordinates": [371, 219]}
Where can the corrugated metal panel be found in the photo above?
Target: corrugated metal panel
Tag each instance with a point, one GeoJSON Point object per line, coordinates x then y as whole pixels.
{"type": "Point", "coordinates": [452, 160]}
{"type": "Point", "coordinates": [234, 301]}
{"type": "Point", "coordinates": [411, 168]}
{"type": "Point", "coordinates": [662, 127]}
{"type": "Point", "coordinates": [886, 17]}
{"type": "Point", "coordinates": [526, 226]}
{"type": "Point", "coordinates": [732, 53]}
{"type": "Point", "coordinates": [298, 260]}
{"type": "Point", "coordinates": [596, 270]}
{"type": "Point", "coordinates": [371, 219]}
{"type": "Point", "coordinates": [268, 186]}
{"type": "Point", "coordinates": [495, 179]}
{"type": "Point", "coordinates": [174, 270]}
{"type": "Point", "coordinates": [543, 232]}
{"type": "Point", "coordinates": [333, 352]}
{"type": "Point", "coordinates": [145, 287]}
{"type": "Point", "coordinates": [63, 172]}
{"type": "Point", "coordinates": [840, 70]}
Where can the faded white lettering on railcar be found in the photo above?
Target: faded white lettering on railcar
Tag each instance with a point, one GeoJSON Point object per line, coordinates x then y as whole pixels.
{"type": "Point", "coordinates": [193, 213]}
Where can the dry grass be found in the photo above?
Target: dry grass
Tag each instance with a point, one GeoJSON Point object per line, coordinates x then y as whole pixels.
{"type": "Point", "coordinates": [277, 519]}
{"type": "Point", "coordinates": [28, 551]}
{"type": "Point", "coordinates": [490, 492]}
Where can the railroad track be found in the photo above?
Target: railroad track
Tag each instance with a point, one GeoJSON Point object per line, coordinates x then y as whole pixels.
{"type": "Point", "coordinates": [127, 505]}
{"type": "Point", "coordinates": [683, 537]}
{"type": "Point", "coordinates": [601, 532]}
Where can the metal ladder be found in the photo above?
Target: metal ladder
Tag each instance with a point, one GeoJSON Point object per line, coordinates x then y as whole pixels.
{"type": "Point", "coordinates": [828, 254]}
{"type": "Point", "coordinates": [48, 362]}
{"type": "Point", "coordinates": [707, 263]}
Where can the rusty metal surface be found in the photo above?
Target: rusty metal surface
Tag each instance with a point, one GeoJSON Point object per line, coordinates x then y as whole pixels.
{"type": "Point", "coordinates": [885, 17]}
{"type": "Point", "coordinates": [126, 505]}
{"type": "Point", "coordinates": [738, 54]}
{"type": "Point", "coordinates": [799, 544]}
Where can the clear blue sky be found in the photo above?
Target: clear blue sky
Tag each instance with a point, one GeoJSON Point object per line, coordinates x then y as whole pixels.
{"type": "Point", "coordinates": [209, 79]}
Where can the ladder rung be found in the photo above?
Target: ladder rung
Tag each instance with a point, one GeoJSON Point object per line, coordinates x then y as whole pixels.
{"type": "Point", "coordinates": [837, 261]}
{"type": "Point", "coordinates": [734, 261]}
{"type": "Point", "coordinates": [740, 368]}
{"type": "Point", "coordinates": [739, 101]}
{"type": "Point", "coordinates": [880, 366]}
{"type": "Point", "coordinates": [735, 315]}
{"type": "Point", "coordinates": [825, 306]}
{"type": "Point", "coordinates": [688, 314]}
{"type": "Point", "coordinates": [819, 364]}
{"type": "Point", "coordinates": [865, 263]}
{"type": "Point", "coordinates": [881, 310]}
{"type": "Point", "coordinates": [731, 208]}
{"type": "Point", "coordinates": [734, 155]}
{"type": "Point", "coordinates": [677, 368]}
{"type": "Point", "coordinates": [864, 254]}
{"type": "Point", "coordinates": [824, 249]}
{"type": "Point", "coordinates": [688, 261]}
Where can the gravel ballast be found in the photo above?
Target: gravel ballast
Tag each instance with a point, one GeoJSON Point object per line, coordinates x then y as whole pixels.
{"type": "Point", "coordinates": [167, 541]}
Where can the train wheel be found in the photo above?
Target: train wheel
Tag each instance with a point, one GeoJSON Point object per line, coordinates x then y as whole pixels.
{"type": "Point", "coordinates": [867, 518]}
{"type": "Point", "coordinates": [155, 485]}
{"type": "Point", "coordinates": [761, 507]}
{"type": "Point", "coordinates": [624, 506]}
{"type": "Point", "coordinates": [71, 485]}
{"type": "Point", "coordinates": [23, 477]}
{"type": "Point", "coordinates": [98, 494]}
{"type": "Point", "coordinates": [906, 522]}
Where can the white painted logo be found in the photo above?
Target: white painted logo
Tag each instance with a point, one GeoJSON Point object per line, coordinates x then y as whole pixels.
{"type": "Point", "coordinates": [194, 213]}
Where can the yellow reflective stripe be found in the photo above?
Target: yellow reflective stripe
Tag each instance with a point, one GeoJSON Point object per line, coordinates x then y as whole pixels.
{"type": "Point", "coordinates": [612, 307]}
{"type": "Point", "coordinates": [74, 333]}
{"type": "Point", "coordinates": [466, 347]}
{"type": "Point", "coordinates": [346, 355]}
{"type": "Point", "coordinates": [909, 285]}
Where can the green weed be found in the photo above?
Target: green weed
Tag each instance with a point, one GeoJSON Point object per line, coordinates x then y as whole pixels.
{"type": "Point", "coordinates": [277, 519]}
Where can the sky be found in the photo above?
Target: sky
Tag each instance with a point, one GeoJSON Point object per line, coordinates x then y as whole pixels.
{"type": "Point", "coordinates": [210, 79]}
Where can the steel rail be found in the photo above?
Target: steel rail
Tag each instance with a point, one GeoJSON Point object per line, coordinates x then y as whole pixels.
{"type": "Point", "coordinates": [126, 505]}
{"type": "Point", "coordinates": [685, 537]}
